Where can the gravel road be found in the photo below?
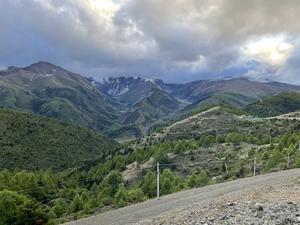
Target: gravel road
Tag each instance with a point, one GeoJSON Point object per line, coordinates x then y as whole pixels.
{"type": "Point", "coordinates": [175, 203]}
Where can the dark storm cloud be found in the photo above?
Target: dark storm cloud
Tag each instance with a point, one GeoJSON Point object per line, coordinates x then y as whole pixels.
{"type": "Point", "coordinates": [175, 40]}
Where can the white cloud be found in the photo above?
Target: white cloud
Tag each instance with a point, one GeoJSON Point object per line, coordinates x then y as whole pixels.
{"type": "Point", "coordinates": [270, 50]}
{"type": "Point", "coordinates": [179, 38]}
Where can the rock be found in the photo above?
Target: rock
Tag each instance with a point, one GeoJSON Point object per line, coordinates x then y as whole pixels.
{"type": "Point", "coordinates": [259, 207]}
{"type": "Point", "coordinates": [231, 203]}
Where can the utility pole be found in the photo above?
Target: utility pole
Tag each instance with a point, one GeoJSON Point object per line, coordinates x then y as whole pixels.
{"type": "Point", "coordinates": [254, 162]}
{"type": "Point", "coordinates": [254, 166]}
{"type": "Point", "coordinates": [226, 166]}
{"type": "Point", "coordinates": [225, 163]}
{"type": "Point", "coordinates": [157, 181]}
{"type": "Point", "coordinates": [288, 161]}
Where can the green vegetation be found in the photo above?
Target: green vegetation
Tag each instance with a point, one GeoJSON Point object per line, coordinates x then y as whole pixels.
{"type": "Point", "coordinates": [48, 196]}
{"type": "Point", "coordinates": [49, 90]}
{"type": "Point", "coordinates": [59, 196]}
{"type": "Point", "coordinates": [34, 142]}
{"type": "Point", "coordinates": [17, 209]}
{"type": "Point", "coordinates": [284, 102]}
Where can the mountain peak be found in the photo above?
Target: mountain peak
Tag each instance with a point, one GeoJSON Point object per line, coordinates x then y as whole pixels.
{"type": "Point", "coordinates": [44, 68]}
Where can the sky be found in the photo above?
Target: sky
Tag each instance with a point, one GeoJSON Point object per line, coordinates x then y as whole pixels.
{"type": "Point", "coordinates": [174, 40]}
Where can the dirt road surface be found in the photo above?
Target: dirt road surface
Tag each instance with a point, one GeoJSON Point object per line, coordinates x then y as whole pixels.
{"type": "Point", "coordinates": [176, 202]}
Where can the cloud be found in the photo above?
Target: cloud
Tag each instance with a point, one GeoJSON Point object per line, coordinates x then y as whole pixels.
{"type": "Point", "coordinates": [290, 71]}
{"type": "Point", "coordinates": [173, 40]}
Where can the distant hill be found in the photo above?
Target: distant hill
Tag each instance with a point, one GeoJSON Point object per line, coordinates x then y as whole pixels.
{"type": "Point", "coordinates": [30, 141]}
{"type": "Point", "coordinates": [127, 90]}
{"type": "Point", "coordinates": [239, 91]}
{"type": "Point", "coordinates": [217, 119]}
{"type": "Point", "coordinates": [155, 105]}
{"type": "Point", "coordinates": [148, 111]}
{"type": "Point", "coordinates": [220, 98]}
{"type": "Point", "coordinates": [284, 102]}
{"type": "Point", "coordinates": [49, 90]}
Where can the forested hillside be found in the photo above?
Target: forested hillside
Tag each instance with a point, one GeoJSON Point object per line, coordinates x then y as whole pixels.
{"type": "Point", "coordinates": [196, 156]}
{"type": "Point", "coordinates": [29, 141]}
{"type": "Point", "coordinates": [284, 102]}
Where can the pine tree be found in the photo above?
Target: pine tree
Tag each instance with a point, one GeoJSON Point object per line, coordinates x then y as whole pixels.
{"type": "Point", "coordinates": [77, 203]}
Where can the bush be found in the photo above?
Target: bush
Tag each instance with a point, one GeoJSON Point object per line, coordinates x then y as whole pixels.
{"type": "Point", "coordinates": [136, 195]}
{"type": "Point", "coordinates": [166, 181]}
{"type": "Point", "coordinates": [161, 157]}
{"type": "Point", "coordinates": [17, 209]}
{"type": "Point", "coordinates": [77, 203]}
{"type": "Point", "coordinates": [121, 197]}
{"type": "Point", "coordinates": [273, 161]}
{"type": "Point", "coordinates": [60, 207]}
{"type": "Point", "coordinates": [198, 179]}
{"type": "Point", "coordinates": [149, 184]}
{"type": "Point", "coordinates": [111, 183]}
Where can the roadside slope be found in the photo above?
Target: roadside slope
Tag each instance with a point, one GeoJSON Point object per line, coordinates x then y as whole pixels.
{"type": "Point", "coordinates": [176, 202]}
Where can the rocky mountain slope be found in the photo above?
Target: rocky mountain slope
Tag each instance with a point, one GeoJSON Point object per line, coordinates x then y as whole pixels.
{"type": "Point", "coordinates": [49, 90]}
{"type": "Point", "coordinates": [122, 107]}
{"type": "Point", "coordinates": [234, 91]}
{"type": "Point", "coordinates": [127, 90]}
{"type": "Point", "coordinates": [155, 105]}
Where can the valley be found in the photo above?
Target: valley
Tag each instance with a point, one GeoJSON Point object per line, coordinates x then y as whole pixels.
{"type": "Point", "coordinates": [124, 108]}
{"type": "Point", "coordinates": [142, 112]}
{"type": "Point", "coordinates": [72, 147]}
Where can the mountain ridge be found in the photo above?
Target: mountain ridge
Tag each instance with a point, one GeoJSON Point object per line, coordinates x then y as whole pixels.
{"type": "Point", "coordinates": [114, 104]}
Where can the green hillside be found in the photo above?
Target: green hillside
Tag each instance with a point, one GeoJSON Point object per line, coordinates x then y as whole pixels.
{"type": "Point", "coordinates": [284, 102]}
{"type": "Point", "coordinates": [155, 105]}
{"type": "Point", "coordinates": [151, 110]}
{"type": "Point", "coordinates": [34, 142]}
{"type": "Point", "coordinates": [197, 146]}
{"type": "Point", "coordinates": [45, 89]}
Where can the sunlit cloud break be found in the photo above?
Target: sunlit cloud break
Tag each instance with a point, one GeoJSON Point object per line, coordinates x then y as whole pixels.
{"type": "Point", "coordinates": [269, 50]}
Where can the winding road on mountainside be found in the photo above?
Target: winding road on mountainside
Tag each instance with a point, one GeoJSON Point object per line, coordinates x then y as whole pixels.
{"type": "Point", "coordinates": [176, 202]}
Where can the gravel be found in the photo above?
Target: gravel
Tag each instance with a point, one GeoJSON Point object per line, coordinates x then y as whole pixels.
{"type": "Point", "coordinates": [279, 204]}
{"type": "Point", "coordinates": [254, 200]}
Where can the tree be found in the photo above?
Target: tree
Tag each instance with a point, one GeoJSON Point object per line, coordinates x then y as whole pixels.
{"type": "Point", "coordinates": [149, 184]}
{"type": "Point", "coordinates": [60, 207]}
{"type": "Point", "coordinates": [166, 181]}
{"type": "Point", "coordinates": [77, 203]}
{"type": "Point", "coordinates": [121, 197]}
{"type": "Point", "coordinates": [274, 160]}
{"type": "Point", "coordinates": [17, 209]}
{"type": "Point", "coordinates": [198, 179]}
{"type": "Point", "coordinates": [179, 147]}
{"type": "Point", "coordinates": [161, 157]}
{"type": "Point", "coordinates": [136, 195]}
{"type": "Point", "coordinates": [111, 183]}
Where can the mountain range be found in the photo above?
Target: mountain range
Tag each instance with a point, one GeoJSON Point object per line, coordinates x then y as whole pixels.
{"type": "Point", "coordinates": [121, 107]}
